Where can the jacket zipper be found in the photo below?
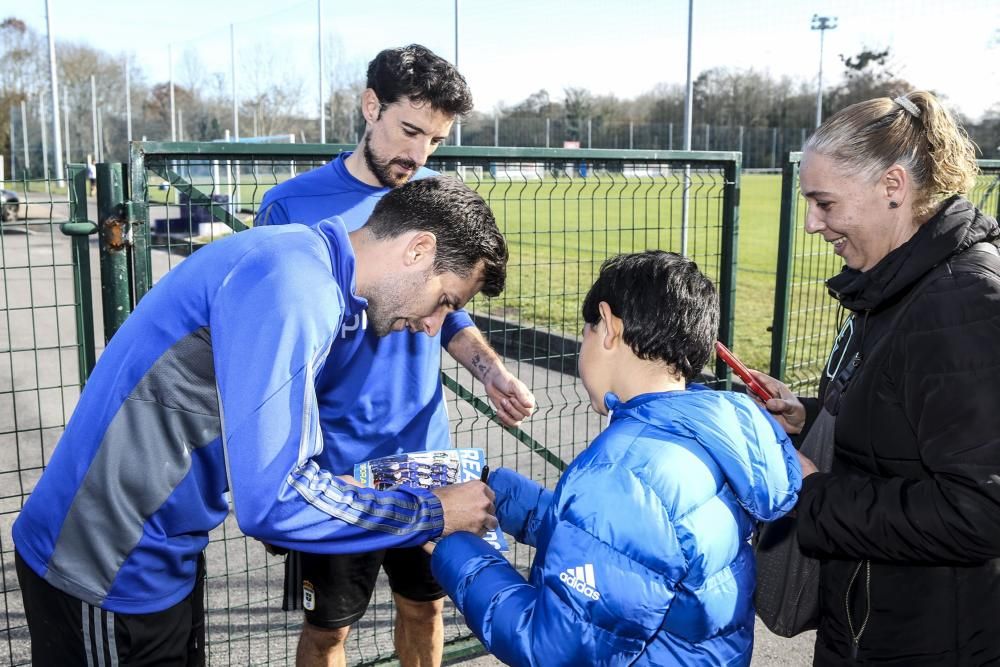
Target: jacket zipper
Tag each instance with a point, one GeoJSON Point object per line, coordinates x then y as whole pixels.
{"type": "Point", "coordinates": [856, 637]}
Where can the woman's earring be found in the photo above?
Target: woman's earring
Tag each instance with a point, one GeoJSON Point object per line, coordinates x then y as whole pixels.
{"type": "Point", "coordinates": [894, 204]}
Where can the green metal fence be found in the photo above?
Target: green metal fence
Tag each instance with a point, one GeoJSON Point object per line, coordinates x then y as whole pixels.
{"type": "Point", "coordinates": [806, 318]}
{"type": "Point", "coordinates": [47, 349]}
{"type": "Point", "coordinates": [562, 211]}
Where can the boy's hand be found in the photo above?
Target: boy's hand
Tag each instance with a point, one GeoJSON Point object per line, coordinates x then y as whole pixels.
{"type": "Point", "coordinates": [467, 506]}
{"type": "Point", "coordinates": [785, 407]}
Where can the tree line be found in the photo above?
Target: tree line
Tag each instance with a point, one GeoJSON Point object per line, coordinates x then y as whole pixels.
{"type": "Point", "coordinates": [271, 93]}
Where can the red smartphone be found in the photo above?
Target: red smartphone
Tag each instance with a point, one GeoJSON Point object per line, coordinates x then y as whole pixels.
{"type": "Point", "coordinates": [742, 371]}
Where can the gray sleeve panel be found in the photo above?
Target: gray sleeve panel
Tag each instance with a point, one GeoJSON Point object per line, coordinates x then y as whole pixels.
{"type": "Point", "coordinates": [184, 377]}
{"type": "Point", "coordinates": [143, 456]}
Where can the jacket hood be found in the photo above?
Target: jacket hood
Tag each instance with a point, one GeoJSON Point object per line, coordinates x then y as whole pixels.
{"type": "Point", "coordinates": [751, 449]}
{"type": "Point", "coordinates": [957, 226]}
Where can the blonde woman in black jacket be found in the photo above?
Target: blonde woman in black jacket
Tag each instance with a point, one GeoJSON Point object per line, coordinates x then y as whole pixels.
{"type": "Point", "coordinates": [907, 524]}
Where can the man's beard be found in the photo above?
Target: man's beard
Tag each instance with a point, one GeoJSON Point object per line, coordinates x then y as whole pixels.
{"type": "Point", "coordinates": [382, 168]}
{"type": "Point", "coordinates": [387, 303]}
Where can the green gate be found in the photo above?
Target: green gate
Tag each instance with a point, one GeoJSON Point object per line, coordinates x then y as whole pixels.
{"type": "Point", "coordinates": [806, 318]}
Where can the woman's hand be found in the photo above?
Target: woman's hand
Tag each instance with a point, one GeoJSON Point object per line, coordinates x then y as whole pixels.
{"type": "Point", "coordinates": [785, 407]}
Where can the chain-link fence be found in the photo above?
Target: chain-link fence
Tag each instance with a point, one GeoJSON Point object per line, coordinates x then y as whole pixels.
{"type": "Point", "coordinates": [806, 317]}
{"type": "Point", "coordinates": [562, 211]}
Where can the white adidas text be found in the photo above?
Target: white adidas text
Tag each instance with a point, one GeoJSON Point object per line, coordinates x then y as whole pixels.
{"type": "Point", "coordinates": [581, 579]}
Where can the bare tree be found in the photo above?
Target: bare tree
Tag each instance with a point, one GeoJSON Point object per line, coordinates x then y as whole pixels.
{"type": "Point", "coordinates": [273, 90]}
{"type": "Point", "coordinates": [23, 72]}
{"type": "Point", "coordinates": [346, 80]}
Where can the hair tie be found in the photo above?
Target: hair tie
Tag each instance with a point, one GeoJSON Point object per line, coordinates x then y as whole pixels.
{"type": "Point", "coordinates": [908, 106]}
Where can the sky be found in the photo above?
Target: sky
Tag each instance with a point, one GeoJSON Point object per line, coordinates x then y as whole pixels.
{"type": "Point", "coordinates": [512, 48]}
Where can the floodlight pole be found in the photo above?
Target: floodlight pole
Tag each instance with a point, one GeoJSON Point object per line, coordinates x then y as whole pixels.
{"type": "Point", "coordinates": [65, 115]}
{"type": "Point", "coordinates": [322, 102]}
{"type": "Point", "coordinates": [45, 144]}
{"type": "Point", "coordinates": [821, 23]}
{"type": "Point", "coordinates": [688, 112]}
{"type": "Point", "coordinates": [54, 83]}
{"type": "Point", "coordinates": [232, 65]}
{"type": "Point", "coordinates": [173, 113]}
{"type": "Point", "coordinates": [93, 114]}
{"type": "Point", "coordinates": [128, 101]}
{"type": "Point", "coordinates": [458, 121]}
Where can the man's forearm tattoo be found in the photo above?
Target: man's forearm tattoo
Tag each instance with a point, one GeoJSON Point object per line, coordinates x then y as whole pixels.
{"type": "Point", "coordinates": [479, 365]}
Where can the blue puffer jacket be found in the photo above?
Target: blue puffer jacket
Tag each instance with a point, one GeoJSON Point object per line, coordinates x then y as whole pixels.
{"type": "Point", "coordinates": [643, 548]}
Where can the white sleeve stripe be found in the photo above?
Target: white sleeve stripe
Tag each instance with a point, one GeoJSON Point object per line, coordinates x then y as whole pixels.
{"type": "Point", "coordinates": [338, 512]}
{"type": "Point", "coordinates": [324, 489]}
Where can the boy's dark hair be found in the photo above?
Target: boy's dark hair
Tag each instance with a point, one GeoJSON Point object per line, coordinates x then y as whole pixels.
{"type": "Point", "coordinates": [466, 231]}
{"type": "Point", "coordinates": [415, 72]}
{"type": "Point", "coordinates": [669, 309]}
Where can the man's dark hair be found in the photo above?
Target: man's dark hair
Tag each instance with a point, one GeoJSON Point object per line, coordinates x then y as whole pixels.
{"type": "Point", "coordinates": [669, 309]}
{"type": "Point", "coordinates": [415, 72]}
{"type": "Point", "coordinates": [466, 231]}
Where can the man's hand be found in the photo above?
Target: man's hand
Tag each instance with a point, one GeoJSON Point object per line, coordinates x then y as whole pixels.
{"type": "Point", "coordinates": [511, 398]}
{"type": "Point", "coordinates": [785, 407]}
{"type": "Point", "coordinates": [467, 506]}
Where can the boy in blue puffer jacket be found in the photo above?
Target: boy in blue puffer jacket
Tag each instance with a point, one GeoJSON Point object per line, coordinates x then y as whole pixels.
{"type": "Point", "coordinates": [643, 553]}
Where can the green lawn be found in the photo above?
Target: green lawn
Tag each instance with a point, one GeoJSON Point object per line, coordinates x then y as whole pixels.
{"type": "Point", "coordinates": [560, 230]}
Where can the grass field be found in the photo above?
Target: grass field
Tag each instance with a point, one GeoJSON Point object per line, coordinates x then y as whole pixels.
{"type": "Point", "coordinates": [560, 230]}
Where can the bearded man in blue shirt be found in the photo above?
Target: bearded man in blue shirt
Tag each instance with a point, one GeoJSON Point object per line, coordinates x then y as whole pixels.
{"type": "Point", "coordinates": [411, 101]}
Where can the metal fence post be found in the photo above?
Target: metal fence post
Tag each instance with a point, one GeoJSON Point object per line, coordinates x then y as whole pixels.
{"type": "Point", "coordinates": [138, 210]}
{"type": "Point", "coordinates": [727, 267]}
{"type": "Point", "coordinates": [115, 240]}
{"type": "Point", "coordinates": [783, 282]}
{"type": "Point", "coordinates": [80, 228]}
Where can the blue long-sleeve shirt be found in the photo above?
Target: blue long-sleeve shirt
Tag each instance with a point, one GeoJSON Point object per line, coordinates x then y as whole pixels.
{"type": "Point", "coordinates": [210, 386]}
{"type": "Point", "coordinates": [392, 401]}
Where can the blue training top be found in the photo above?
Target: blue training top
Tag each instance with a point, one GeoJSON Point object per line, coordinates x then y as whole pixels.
{"type": "Point", "coordinates": [211, 386]}
{"type": "Point", "coordinates": [392, 400]}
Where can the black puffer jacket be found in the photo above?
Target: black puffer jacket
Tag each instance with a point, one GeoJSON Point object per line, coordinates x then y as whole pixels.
{"type": "Point", "coordinates": [908, 521]}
